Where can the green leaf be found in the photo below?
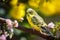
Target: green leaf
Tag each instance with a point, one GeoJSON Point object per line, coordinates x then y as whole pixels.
{"type": "Point", "coordinates": [17, 32]}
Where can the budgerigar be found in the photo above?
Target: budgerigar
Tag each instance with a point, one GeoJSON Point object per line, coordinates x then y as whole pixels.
{"type": "Point", "coordinates": [37, 21]}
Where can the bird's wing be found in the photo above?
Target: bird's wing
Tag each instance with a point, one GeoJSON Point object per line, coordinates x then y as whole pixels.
{"type": "Point", "coordinates": [44, 30]}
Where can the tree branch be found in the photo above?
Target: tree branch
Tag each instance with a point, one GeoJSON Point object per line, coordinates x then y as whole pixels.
{"type": "Point", "coordinates": [31, 31]}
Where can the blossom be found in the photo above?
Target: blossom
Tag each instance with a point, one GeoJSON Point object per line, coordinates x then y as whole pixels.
{"type": "Point", "coordinates": [51, 25]}
{"type": "Point", "coordinates": [21, 19]}
{"type": "Point", "coordinates": [10, 26]}
{"type": "Point", "coordinates": [9, 23]}
{"type": "Point", "coordinates": [15, 23]}
{"type": "Point", "coordinates": [3, 37]}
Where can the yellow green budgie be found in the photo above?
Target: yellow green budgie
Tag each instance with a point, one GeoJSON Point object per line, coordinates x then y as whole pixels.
{"type": "Point", "coordinates": [18, 12]}
{"type": "Point", "coordinates": [36, 22]}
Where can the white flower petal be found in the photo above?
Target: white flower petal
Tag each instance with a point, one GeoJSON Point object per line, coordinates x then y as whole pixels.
{"type": "Point", "coordinates": [51, 25]}
{"type": "Point", "coordinates": [12, 30]}
{"type": "Point", "coordinates": [15, 23]}
{"type": "Point", "coordinates": [21, 19]}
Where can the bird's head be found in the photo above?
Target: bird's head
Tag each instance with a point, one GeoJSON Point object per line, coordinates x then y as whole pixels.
{"type": "Point", "coordinates": [30, 11]}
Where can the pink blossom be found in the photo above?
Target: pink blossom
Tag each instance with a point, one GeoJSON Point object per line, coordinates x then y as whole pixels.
{"type": "Point", "coordinates": [6, 34]}
{"type": "Point", "coordinates": [9, 23]}
{"type": "Point", "coordinates": [2, 37]}
{"type": "Point", "coordinates": [51, 25]}
{"type": "Point", "coordinates": [10, 26]}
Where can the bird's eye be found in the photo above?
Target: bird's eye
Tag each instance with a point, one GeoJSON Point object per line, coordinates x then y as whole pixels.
{"type": "Point", "coordinates": [31, 12]}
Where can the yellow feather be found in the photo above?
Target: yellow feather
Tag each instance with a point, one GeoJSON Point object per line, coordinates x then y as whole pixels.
{"type": "Point", "coordinates": [32, 24]}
